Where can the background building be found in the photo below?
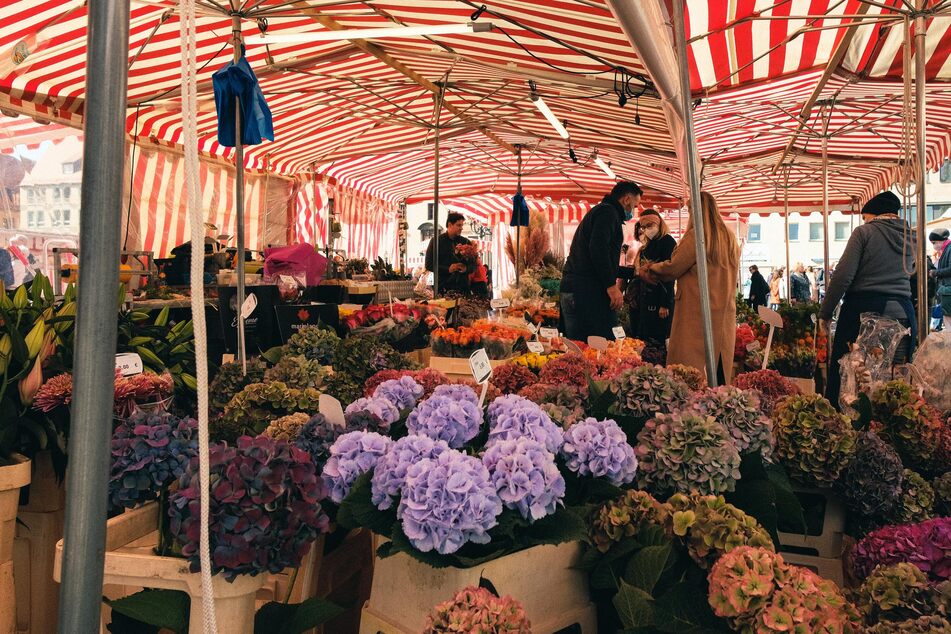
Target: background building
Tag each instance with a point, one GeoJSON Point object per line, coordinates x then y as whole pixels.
{"type": "Point", "coordinates": [50, 192]}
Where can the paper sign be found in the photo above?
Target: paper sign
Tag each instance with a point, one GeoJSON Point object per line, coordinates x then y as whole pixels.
{"type": "Point", "coordinates": [571, 346]}
{"type": "Point", "coordinates": [598, 343]}
{"type": "Point", "coordinates": [480, 366]}
{"type": "Point", "coordinates": [548, 333]}
{"type": "Point", "coordinates": [533, 328]}
{"type": "Point", "coordinates": [332, 410]}
{"type": "Point", "coordinates": [129, 363]}
{"type": "Point", "coordinates": [618, 332]}
{"type": "Point", "coordinates": [536, 347]}
{"type": "Point", "coordinates": [498, 304]}
{"type": "Point", "coordinates": [287, 279]}
{"type": "Point", "coordinates": [771, 317]}
{"type": "Point", "coordinates": [250, 303]}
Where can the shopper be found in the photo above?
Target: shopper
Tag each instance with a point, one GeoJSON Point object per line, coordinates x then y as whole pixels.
{"type": "Point", "coordinates": [759, 288]}
{"type": "Point", "coordinates": [453, 272]}
{"type": "Point", "coordinates": [871, 277]}
{"type": "Point", "coordinates": [723, 262]}
{"type": "Point", "coordinates": [813, 283]}
{"type": "Point", "coordinates": [652, 313]}
{"type": "Point", "coordinates": [590, 294]}
{"type": "Point", "coordinates": [776, 289]}
{"type": "Point", "coordinates": [942, 273]}
{"type": "Point", "coordinates": [801, 289]}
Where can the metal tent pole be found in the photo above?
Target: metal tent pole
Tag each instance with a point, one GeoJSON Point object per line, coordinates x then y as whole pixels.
{"type": "Point", "coordinates": [316, 212]}
{"type": "Point", "coordinates": [239, 199]}
{"type": "Point", "coordinates": [439, 98]}
{"type": "Point", "coordinates": [786, 219]}
{"type": "Point", "coordinates": [96, 323]}
{"type": "Point", "coordinates": [825, 217]}
{"type": "Point", "coordinates": [921, 252]}
{"type": "Point", "coordinates": [696, 206]}
{"type": "Point", "coordinates": [518, 226]}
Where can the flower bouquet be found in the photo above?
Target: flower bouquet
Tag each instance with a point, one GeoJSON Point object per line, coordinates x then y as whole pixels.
{"type": "Point", "coordinates": [467, 253]}
{"type": "Point", "coordinates": [146, 392]}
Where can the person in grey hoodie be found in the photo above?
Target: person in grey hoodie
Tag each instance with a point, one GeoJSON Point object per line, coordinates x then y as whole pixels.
{"type": "Point", "coordinates": [873, 276]}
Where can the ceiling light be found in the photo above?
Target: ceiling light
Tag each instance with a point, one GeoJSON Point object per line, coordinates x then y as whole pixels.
{"type": "Point", "coordinates": [604, 167]}
{"type": "Point", "coordinates": [370, 34]}
{"type": "Point", "coordinates": [552, 119]}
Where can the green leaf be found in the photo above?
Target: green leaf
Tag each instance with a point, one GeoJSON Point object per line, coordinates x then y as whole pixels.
{"type": "Point", "coordinates": [161, 608]}
{"type": "Point", "coordinates": [295, 618]}
{"type": "Point", "coordinates": [273, 355]}
{"type": "Point", "coordinates": [357, 510]}
{"type": "Point", "coordinates": [634, 606]}
{"type": "Point", "coordinates": [561, 526]}
{"type": "Point", "coordinates": [645, 568]}
{"type": "Point", "coordinates": [788, 505]}
{"type": "Point", "coordinates": [684, 610]}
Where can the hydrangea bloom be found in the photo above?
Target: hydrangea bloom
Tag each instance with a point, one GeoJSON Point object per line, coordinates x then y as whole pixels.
{"type": "Point", "coordinates": [563, 403]}
{"type": "Point", "coordinates": [772, 386]}
{"type": "Point", "coordinates": [648, 390]}
{"type": "Point", "coordinates": [741, 413]}
{"type": "Point", "coordinates": [390, 472]}
{"type": "Point", "coordinates": [568, 369]}
{"type": "Point", "coordinates": [927, 545]}
{"type": "Point", "coordinates": [512, 417]}
{"type": "Point", "coordinates": [448, 501]}
{"type": "Point", "coordinates": [624, 517]}
{"type": "Point", "coordinates": [478, 610]}
{"type": "Point", "coordinates": [458, 392]}
{"type": "Point", "coordinates": [402, 393]}
{"type": "Point", "coordinates": [380, 407]}
{"type": "Point", "coordinates": [443, 417]}
{"type": "Point", "coordinates": [509, 378]}
{"type": "Point", "coordinates": [526, 477]}
{"type": "Point", "coordinates": [813, 440]}
{"type": "Point", "coordinates": [600, 448]}
{"type": "Point", "coordinates": [352, 454]}
{"type": "Point", "coordinates": [710, 527]}
{"type": "Point", "coordinates": [871, 483]}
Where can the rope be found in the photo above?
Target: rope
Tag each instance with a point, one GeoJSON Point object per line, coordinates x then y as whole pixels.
{"type": "Point", "coordinates": [187, 33]}
{"type": "Point", "coordinates": [908, 151]}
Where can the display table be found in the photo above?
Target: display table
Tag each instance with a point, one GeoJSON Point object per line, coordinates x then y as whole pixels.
{"type": "Point", "coordinates": [399, 289]}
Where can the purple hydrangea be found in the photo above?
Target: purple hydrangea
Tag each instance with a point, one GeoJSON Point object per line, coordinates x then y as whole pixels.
{"type": "Point", "coordinates": [403, 393]}
{"type": "Point", "coordinates": [457, 392]}
{"type": "Point", "coordinates": [318, 434]}
{"type": "Point", "coordinates": [351, 455]}
{"type": "Point", "coordinates": [525, 476]}
{"type": "Point", "coordinates": [380, 407]}
{"type": "Point", "coordinates": [448, 501]}
{"type": "Point", "coordinates": [512, 417]}
{"type": "Point", "coordinates": [599, 448]}
{"type": "Point", "coordinates": [390, 472]}
{"type": "Point", "coordinates": [444, 417]}
{"type": "Point", "coordinates": [927, 545]}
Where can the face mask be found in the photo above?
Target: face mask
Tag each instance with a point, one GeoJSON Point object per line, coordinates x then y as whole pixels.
{"type": "Point", "coordinates": [628, 215]}
{"type": "Point", "coordinates": [651, 232]}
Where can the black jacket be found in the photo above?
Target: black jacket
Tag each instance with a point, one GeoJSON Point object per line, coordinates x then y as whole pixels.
{"type": "Point", "coordinates": [646, 323]}
{"type": "Point", "coordinates": [759, 289]}
{"type": "Point", "coordinates": [596, 248]}
{"type": "Point", "coordinates": [447, 257]}
{"type": "Point", "coordinates": [801, 288]}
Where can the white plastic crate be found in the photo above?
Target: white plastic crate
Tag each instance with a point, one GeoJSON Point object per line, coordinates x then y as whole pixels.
{"type": "Point", "coordinates": [825, 567]}
{"type": "Point", "coordinates": [828, 543]}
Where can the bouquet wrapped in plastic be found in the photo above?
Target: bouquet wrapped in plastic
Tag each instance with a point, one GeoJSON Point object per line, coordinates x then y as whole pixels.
{"type": "Point", "coordinates": [870, 361]}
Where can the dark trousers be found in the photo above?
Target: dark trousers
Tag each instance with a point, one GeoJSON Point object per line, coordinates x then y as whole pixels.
{"type": "Point", "coordinates": [587, 312]}
{"type": "Point", "coordinates": [847, 331]}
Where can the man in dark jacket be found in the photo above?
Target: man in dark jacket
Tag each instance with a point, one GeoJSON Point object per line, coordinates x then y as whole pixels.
{"type": "Point", "coordinates": [453, 272]}
{"type": "Point", "coordinates": [871, 277]}
{"type": "Point", "coordinates": [759, 288]}
{"type": "Point", "coordinates": [942, 271]}
{"type": "Point", "coordinates": [590, 295]}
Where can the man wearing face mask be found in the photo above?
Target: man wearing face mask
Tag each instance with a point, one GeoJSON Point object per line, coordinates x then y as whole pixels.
{"type": "Point", "coordinates": [590, 295]}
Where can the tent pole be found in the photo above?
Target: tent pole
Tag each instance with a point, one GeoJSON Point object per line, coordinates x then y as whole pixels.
{"type": "Point", "coordinates": [239, 199]}
{"type": "Point", "coordinates": [921, 253]}
{"type": "Point", "coordinates": [786, 219]}
{"type": "Point", "coordinates": [96, 324]}
{"type": "Point", "coordinates": [825, 216]}
{"type": "Point", "coordinates": [316, 212]}
{"type": "Point", "coordinates": [518, 226]}
{"type": "Point", "coordinates": [439, 98]}
{"type": "Point", "coordinates": [696, 206]}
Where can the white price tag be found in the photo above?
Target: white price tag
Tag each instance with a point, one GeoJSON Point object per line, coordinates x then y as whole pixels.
{"type": "Point", "coordinates": [287, 279]}
{"type": "Point", "coordinates": [332, 410]}
{"type": "Point", "coordinates": [598, 343]}
{"type": "Point", "coordinates": [498, 304]}
{"type": "Point", "coordinates": [548, 333]}
{"type": "Point", "coordinates": [572, 347]}
{"type": "Point", "coordinates": [480, 366]}
{"type": "Point", "coordinates": [129, 363]}
{"type": "Point", "coordinates": [536, 347]}
{"type": "Point", "coordinates": [533, 328]}
{"type": "Point", "coordinates": [618, 332]}
{"type": "Point", "coordinates": [250, 303]}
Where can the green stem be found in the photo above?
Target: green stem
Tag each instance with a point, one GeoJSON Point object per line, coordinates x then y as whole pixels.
{"type": "Point", "coordinates": [290, 586]}
{"type": "Point", "coordinates": [162, 549]}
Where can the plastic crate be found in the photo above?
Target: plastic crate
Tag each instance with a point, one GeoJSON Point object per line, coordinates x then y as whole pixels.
{"type": "Point", "coordinates": [826, 567]}
{"type": "Point", "coordinates": [823, 540]}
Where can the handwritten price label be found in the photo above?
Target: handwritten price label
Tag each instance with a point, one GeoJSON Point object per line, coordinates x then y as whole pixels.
{"type": "Point", "coordinates": [618, 332]}
{"type": "Point", "coordinates": [480, 366]}
{"type": "Point", "coordinates": [129, 363]}
{"type": "Point", "coordinates": [536, 347]}
{"type": "Point", "coordinates": [499, 304]}
{"type": "Point", "coordinates": [548, 333]}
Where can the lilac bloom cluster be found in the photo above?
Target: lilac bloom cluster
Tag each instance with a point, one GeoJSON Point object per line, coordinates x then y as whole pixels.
{"type": "Point", "coordinates": [403, 393]}
{"type": "Point", "coordinates": [447, 502]}
{"type": "Point", "coordinates": [318, 434]}
{"type": "Point", "coordinates": [380, 407]}
{"type": "Point", "coordinates": [454, 418]}
{"type": "Point", "coordinates": [599, 448]}
{"type": "Point", "coordinates": [457, 392]}
{"type": "Point", "coordinates": [390, 472]}
{"type": "Point", "coordinates": [512, 417]}
{"type": "Point", "coordinates": [526, 477]}
{"type": "Point", "coordinates": [351, 455]}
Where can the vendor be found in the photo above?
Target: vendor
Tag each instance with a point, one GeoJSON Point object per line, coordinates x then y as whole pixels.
{"type": "Point", "coordinates": [453, 273]}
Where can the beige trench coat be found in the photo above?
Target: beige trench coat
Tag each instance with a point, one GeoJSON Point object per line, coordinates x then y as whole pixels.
{"type": "Point", "coordinates": [686, 334]}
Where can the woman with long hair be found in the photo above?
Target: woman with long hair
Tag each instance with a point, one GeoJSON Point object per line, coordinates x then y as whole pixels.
{"type": "Point", "coordinates": [651, 305]}
{"type": "Point", "coordinates": [723, 261]}
{"type": "Point", "coordinates": [775, 289]}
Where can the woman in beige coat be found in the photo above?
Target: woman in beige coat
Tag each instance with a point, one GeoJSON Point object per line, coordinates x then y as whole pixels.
{"type": "Point", "coordinates": [723, 260]}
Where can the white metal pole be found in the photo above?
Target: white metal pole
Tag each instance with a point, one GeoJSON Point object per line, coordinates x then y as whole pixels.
{"type": "Point", "coordinates": [921, 253]}
{"type": "Point", "coordinates": [239, 200]}
{"type": "Point", "coordinates": [435, 238]}
{"type": "Point", "coordinates": [825, 218]}
{"type": "Point", "coordinates": [786, 218]}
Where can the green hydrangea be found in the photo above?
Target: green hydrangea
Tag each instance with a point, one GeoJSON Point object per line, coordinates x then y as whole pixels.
{"type": "Point", "coordinates": [897, 593]}
{"type": "Point", "coordinates": [942, 494]}
{"type": "Point", "coordinates": [316, 343]}
{"type": "Point", "coordinates": [813, 440]}
{"type": "Point", "coordinates": [916, 502]}
{"type": "Point", "coordinates": [343, 387]}
{"type": "Point", "coordinates": [253, 408]}
{"type": "Point", "coordinates": [906, 422]}
{"type": "Point", "coordinates": [647, 390]}
{"type": "Point", "coordinates": [297, 371]}
{"type": "Point", "coordinates": [922, 625]}
{"type": "Point", "coordinates": [710, 527]}
{"type": "Point", "coordinates": [624, 517]}
{"type": "Point", "coordinates": [287, 427]}
{"type": "Point", "coordinates": [230, 380]}
{"type": "Point", "coordinates": [362, 357]}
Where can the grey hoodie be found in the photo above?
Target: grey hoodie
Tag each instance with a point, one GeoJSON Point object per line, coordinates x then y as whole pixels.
{"type": "Point", "coordinates": [878, 258]}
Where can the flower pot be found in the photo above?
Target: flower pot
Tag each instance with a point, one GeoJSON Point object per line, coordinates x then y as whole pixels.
{"type": "Point", "coordinates": [546, 580]}
{"type": "Point", "coordinates": [12, 478]}
{"type": "Point", "coordinates": [154, 407]}
{"type": "Point", "coordinates": [129, 561]}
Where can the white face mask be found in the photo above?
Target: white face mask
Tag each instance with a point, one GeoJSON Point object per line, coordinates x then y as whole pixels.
{"type": "Point", "coordinates": [651, 232]}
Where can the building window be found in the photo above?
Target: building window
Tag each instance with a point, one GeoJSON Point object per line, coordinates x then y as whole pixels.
{"type": "Point", "coordinates": [30, 219]}
{"type": "Point", "coordinates": [67, 220]}
{"type": "Point", "coordinates": [944, 174]}
{"type": "Point", "coordinates": [57, 217]}
{"type": "Point", "coordinates": [67, 192]}
{"type": "Point", "coordinates": [69, 168]}
{"type": "Point", "coordinates": [30, 195]}
{"type": "Point", "coordinates": [429, 211]}
{"type": "Point", "coordinates": [841, 231]}
{"type": "Point", "coordinates": [794, 232]}
{"type": "Point", "coordinates": [815, 231]}
{"type": "Point", "coordinates": [754, 234]}
{"type": "Point", "coordinates": [41, 219]}
{"type": "Point", "coordinates": [56, 193]}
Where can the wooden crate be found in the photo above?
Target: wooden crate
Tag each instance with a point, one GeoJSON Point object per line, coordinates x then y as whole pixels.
{"type": "Point", "coordinates": [457, 368]}
{"type": "Point", "coordinates": [12, 478]}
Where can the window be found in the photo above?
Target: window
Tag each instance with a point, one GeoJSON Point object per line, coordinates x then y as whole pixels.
{"type": "Point", "coordinates": [69, 168]}
{"type": "Point", "coordinates": [794, 232]}
{"type": "Point", "coordinates": [429, 211]}
{"type": "Point", "coordinates": [755, 233]}
{"type": "Point", "coordinates": [41, 219]}
{"type": "Point", "coordinates": [56, 193]}
{"type": "Point", "coordinates": [944, 174]}
{"type": "Point", "coordinates": [30, 220]}
{"type": "Point", "coordinates": [66, 217]}
{"type": "Point", "coordinates": [815, 231]}
{"type": "Point", "coordinates": [841, 231]}
{"type": "Point", "coordinates": [57, 216]}
{"type": "Point", "coordinates": [30, 195]}
{"type": "Point", "coordinates": [66, 193]}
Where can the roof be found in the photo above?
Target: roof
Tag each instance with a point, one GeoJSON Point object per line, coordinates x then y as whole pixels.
{"type": "Point", "coordinates": [49, 169]}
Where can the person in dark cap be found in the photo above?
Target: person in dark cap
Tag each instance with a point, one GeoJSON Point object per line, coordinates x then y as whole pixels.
{"type": "Point", "coordinates": [871, 277]}
{"type": "Point", "coordinates": [942, 272]}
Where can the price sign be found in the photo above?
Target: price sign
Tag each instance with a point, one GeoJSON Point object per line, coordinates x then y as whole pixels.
{"type": "Point", "coordinates": [532, 328]}
{"type": "Point", "coordinates": [499, 304]}
{"type": "Point", "coordinates": [332, 410]}
{"type": "Point", "coordinates": [480, 366]}
{"type": "Point", "coordinates": [572, 347]}
{"type": "Point", "coordinates": [548, 333]}
{"type": "Point", "coordinates": [129, 363]}
{"type": "Point", "coordinates": [536, 347]}
{"type": "Point", "coordinates": [250, 303]}
{"type": "Point", "coordinates": [618, 332]}
{"type": "Point", "coordinates": [287, 279]}
{"type": "Point", "coordinates": [598, 343]}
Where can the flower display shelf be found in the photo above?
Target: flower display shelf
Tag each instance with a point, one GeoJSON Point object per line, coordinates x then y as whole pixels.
{"type": "Point", "coordinates": [12, 478]}
{"type": "Point", "coordinates": [826, 567]}
{"type": "Point", "coordinates": [828, 543]}
{"type": "Point", "coordinates": [546, 580]}
{"type": "Point", "coordinates": [456, 368]}
{"type": "Point", "coordinates": [130, 561]}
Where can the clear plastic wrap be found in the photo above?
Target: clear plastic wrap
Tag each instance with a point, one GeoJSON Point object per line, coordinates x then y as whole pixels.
{"type": "Point", "coordinates": [871, 359]}
{"type": "Point", "coordinates": [932, 370]}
